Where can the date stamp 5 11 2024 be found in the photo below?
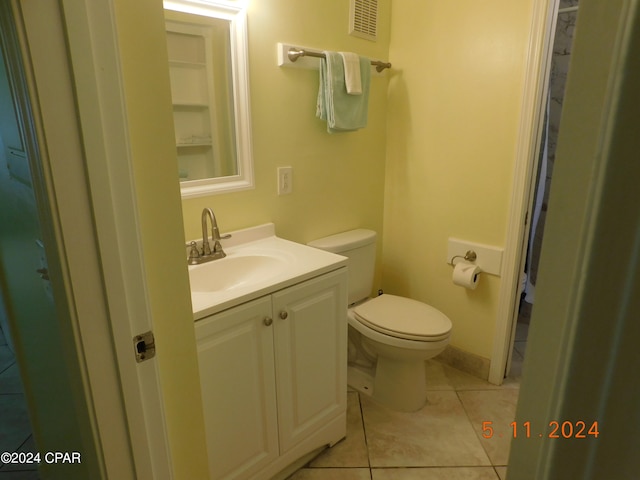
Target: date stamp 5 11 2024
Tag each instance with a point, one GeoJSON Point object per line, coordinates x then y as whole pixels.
{"type": "Point", "coordinates": [554, 429]}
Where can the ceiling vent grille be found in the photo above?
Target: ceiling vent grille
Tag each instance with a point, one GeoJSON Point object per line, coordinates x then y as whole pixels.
{"type": "Point", "coordinates": [363, 21]}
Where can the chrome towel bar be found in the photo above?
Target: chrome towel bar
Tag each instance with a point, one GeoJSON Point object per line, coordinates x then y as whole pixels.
{"type": "Point", "coordinates": [295, 53]}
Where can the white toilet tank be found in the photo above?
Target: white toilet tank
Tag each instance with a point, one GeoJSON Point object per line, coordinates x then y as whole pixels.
{"type": "Point", "coordinates": [359, 246]}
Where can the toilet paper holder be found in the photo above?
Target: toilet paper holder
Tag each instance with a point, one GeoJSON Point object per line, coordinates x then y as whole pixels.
{"type": "Point", "coordinates": [470, 256]}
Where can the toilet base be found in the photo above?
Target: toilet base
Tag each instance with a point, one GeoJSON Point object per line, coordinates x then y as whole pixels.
{"type": "Point", "coordinates": [400, 385]}
{"type": "Point", "coordinates": [360, 380]}
{"type": "Point", "coordinates": [391, 370]}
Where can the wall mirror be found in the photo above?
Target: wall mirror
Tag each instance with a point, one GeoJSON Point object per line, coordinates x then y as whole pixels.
{"type": "Point", "coordinates": [208, 68]}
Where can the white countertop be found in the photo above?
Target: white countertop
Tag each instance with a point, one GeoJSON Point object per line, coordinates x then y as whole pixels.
{"type": "Point", "coordinates": [296, 263]}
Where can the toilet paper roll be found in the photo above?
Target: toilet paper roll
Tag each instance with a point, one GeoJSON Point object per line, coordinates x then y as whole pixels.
{"type": "Point", "coordinates": [466, 275]}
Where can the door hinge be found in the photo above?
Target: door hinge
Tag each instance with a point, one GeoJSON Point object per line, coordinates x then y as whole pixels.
{"type": "Point", "coordinates": [144, 346]}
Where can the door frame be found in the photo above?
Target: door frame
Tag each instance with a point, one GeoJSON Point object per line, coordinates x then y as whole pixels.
{"type": "Point", "coordinates": [71, 59]}
{"type": "Point", "coordinates": [536, 86]}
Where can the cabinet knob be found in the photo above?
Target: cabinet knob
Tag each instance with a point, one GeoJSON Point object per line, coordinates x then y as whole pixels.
{"type": "Point", "coordinates": [284, 315]}
{"type": "Point", "coordinates": [268, 321]}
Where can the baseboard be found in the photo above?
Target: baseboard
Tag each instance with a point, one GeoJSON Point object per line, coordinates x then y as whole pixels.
{"type": "Point", "coordinates": [467, 362]}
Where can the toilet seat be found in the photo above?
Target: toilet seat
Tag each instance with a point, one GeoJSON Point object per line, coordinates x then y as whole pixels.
{"type": "Point", "coordinates": [403, 318]}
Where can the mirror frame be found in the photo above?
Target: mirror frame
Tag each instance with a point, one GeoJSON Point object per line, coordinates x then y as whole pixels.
{"type": "Point", "coordinates": [237, 16]}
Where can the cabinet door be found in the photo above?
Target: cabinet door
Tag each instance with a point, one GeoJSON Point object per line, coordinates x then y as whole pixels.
{"type": "Point", "coordinates": [310, 351]}
{"type": "Point", "coordinates": [235, 356]}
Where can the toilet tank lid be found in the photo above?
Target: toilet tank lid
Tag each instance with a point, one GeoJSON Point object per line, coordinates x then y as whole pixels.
{"type": "Point", "coordinates": [342, 242]}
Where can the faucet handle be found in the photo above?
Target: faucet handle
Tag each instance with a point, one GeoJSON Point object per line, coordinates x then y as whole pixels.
{"type": "Point", "coordinates": [218, 252]}
{"type": "Point", "coordinates": [194, 254]}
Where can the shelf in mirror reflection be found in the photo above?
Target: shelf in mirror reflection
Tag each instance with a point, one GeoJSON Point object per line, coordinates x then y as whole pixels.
{"type": "Point", "coordinates": [194, 141]}
{"type": "Point", "coordinates": [187, 105]}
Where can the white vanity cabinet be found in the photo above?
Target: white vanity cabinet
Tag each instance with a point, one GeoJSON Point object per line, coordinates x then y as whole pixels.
{"type": "Point", "coordinates": [237, 378]}
{"type": "Point", "coordinates": [273, 376]}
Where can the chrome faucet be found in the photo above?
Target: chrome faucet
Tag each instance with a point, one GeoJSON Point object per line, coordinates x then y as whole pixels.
{"type": "Point", "coordinates": [206, 254]}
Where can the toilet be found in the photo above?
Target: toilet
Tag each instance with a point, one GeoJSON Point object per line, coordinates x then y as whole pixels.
{"type": "Point", "coordinates": [390, 337]}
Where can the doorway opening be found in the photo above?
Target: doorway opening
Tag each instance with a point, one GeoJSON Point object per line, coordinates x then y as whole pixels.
{"type": "Point", "coordinates": [560, 59]}
{"type": "Point", "coordinates": [15, 425]}
{"type": "Point", "coordinates": [17, 199]}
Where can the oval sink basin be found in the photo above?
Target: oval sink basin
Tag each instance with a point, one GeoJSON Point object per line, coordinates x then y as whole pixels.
{"type": "Point", "coordinates": [234, 272]}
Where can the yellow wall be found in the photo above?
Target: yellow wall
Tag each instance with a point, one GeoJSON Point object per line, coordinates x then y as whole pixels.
{"type": "Point", "coordinates": [445, 121]}
{"type": "Point", "coordinates": [338, 180]}
{"type": "Point", "coordinates": [453, 116]}
{"type": "Point", "coordinates": [141, 37]}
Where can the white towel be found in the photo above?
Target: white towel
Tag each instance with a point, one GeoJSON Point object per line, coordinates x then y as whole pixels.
{"type": "Point", "coordinates": [352, 73]}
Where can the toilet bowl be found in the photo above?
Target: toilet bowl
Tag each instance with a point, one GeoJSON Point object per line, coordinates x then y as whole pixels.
{"type": "Point", "coordinates": [390, 337]}
{"type": "Point", "coordinates": [401, 334]}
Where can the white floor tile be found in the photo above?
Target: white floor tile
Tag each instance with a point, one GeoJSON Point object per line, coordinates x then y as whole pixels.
{"type": "Point", "coordinates": [332, 474]}
{"type": "Point", "coordinates": [452, 473]}
{"type": "Point", "coordinates": [497, 407]}
{"type": "Point", "coordinates": [352, 451]}
{"type": "Point", "coordinates": [439, 434]}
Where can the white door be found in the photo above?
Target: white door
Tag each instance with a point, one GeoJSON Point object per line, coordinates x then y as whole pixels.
{"type": "Point", "coordinates": [127, 424]}
{"type": "Point", "coordinates": [59, 415]}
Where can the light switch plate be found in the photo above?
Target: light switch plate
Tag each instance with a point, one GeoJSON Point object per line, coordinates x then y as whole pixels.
{"type": "Point", "coordinates": [285, 180]}
{"type": "Point", "coordinates": [488, 258]}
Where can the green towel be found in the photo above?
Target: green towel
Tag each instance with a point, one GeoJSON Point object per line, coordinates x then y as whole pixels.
{"type": "Point", "coordinates": [343, 112]}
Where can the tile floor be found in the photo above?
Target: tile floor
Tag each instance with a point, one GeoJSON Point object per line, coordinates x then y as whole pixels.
{"type": "Point", "coordinates": [442, 441]}
{"type": "Point", "coordinates": [15, 429]}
